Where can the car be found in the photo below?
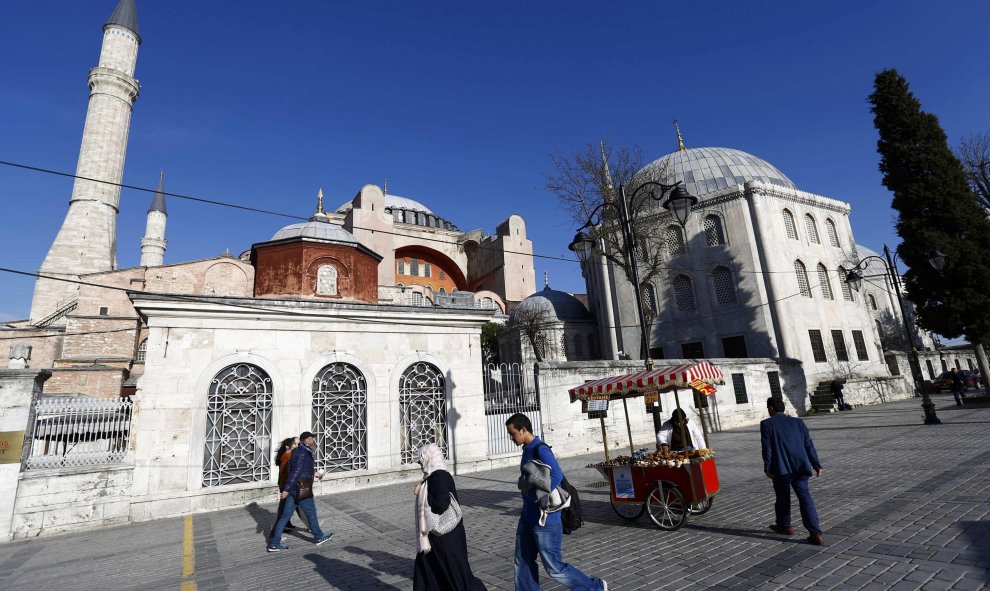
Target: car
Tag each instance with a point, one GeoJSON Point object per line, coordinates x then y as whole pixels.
{"type": "Point", "coordinates": [971, 379]}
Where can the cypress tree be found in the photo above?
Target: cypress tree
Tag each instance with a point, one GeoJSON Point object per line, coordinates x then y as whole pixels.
{"type": "Point", "coordinates": [936, 210]}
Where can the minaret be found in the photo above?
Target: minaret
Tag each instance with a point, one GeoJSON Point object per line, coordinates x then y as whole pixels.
{"type": "Point", "coordinates": [87, 241]}
{"type": "Point", "coordinates": [153, 244]}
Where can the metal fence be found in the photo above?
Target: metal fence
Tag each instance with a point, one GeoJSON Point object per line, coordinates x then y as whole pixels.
{"type": "Point", "coordinates": [509, 388]}
{"type": "Point", "coordinates": [71, 432]}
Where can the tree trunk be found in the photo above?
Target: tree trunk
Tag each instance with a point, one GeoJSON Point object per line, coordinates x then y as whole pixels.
{"type": "Point", "coordinates": [981, 360]}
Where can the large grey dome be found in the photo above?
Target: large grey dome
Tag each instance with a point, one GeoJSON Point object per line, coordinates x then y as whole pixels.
{"type": "Point", "coordinates": [558, 306]}
{"type": "Point", "coordinates": [318, 230]}
{"type": "Point", "coordinates": [393, 202]}
{"type": "Point", "coordinates": [703, 170]}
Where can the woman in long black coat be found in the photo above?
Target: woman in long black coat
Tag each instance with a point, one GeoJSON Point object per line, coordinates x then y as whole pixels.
{"type": "Point", "coordinates": [441, 560]}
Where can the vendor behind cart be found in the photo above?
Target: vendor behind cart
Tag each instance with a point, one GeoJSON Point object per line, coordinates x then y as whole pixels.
{"type": "Point", "coordinates": [679, 433]}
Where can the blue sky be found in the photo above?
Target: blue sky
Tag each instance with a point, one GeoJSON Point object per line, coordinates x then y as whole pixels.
{"type": "Point", "coordinates": [459, 105]}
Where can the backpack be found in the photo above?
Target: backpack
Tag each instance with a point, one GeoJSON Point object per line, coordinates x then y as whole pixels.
{"type": "Point", "coordinates": [571, 517]}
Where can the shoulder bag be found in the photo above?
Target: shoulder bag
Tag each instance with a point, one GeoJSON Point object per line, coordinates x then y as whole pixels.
{"type": "Point", "coordinates": [304, 489]}
{"type": "Point", "coordinates": [448, 520]}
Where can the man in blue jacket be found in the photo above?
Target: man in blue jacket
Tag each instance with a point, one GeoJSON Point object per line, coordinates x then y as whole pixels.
{"type": "Point", "coordinates": [532, 539]}
{"type": "Point", "coordinates": [301, 468]}
{"type": "Point", "coordinates": [789, 459]}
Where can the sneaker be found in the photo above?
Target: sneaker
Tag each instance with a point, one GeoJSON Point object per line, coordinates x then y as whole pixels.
{"type": "Point", "coordinates": [604, 585]}
{"type": "Point", "coordinates": [325, 538]}
{"type": "Point", "coordinates": [278, 548]}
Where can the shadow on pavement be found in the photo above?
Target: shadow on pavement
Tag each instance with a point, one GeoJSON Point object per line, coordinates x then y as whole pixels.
{"type": "Point", "coordinates": [263, 518]}
{"type": "Point", "coordinates": [748, 533]}
{"type": "Point", "coordinates": [386, 562]}
{"type": "Point", "coordinates": [343, 575]}
{"type": "Point", "coordinates": [978, 535]}
{"type": "Point", "coordinates": [508, 500]}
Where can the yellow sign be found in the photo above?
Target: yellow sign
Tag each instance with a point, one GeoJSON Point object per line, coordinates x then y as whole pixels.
{"type": "Point", "coordinates": [11, 445]}
{"type": "Point", "coordinates": [703, 387]}
{"type": "Point", "coordinates": [651, 394]}
{"type": "Point", "coordinates": [598, 396]}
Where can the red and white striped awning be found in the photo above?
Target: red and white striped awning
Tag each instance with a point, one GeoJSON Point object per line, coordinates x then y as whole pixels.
{"type": "Point", "coordinates": [678, 377]}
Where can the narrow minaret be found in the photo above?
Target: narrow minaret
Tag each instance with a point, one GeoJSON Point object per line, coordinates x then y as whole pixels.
{"type": "Point", "coordinates": [87, 241]}
{"type": "Point", "coordinates": [608, 189]}
{"type": "Point", "coordinates": [153, 244]}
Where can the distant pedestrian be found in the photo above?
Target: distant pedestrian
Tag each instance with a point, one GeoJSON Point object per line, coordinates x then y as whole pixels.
{"type": "Point", "coordinates": [836, 389]}
{"type": "Point", "coordinates": [679, 433]}
{"type": "Point", "coordinates": [298, 490]}
{"type": "Point", "coordinates": [789, 459]}
{"type": "Point", "coordinates": [540, 532]}
{"type": "Point", "coordinates": [441, 542]}
{"type": "Point", "coordinates": [282, 456]}
{"type": "Point", "coordinates": [958, 386]}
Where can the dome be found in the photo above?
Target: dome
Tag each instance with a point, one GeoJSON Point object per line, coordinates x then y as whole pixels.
{"type": "Point", "coordinates": [558, 305]}
{"type": "Point", "coordinates": [393, 202]}
{"type": "Point", "coordinates": [703, 170]}
{"type": "Point", "coordinates": [318, 230]}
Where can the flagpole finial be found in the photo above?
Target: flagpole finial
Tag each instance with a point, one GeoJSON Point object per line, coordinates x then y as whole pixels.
{"type": "Point", "coordinates": [385, 188]}
{"type": "Point", "coordinates": [546, 279]}
{"type": "Point", "coordinates": [680, 139]}
{"type": "Point", "coordinates": [609, 188]}
{"type": "Point", "coordinates": [319, 201]}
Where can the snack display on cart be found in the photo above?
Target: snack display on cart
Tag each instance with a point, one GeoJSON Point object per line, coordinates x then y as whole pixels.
{"type": "Point", "coordinates": [670, 459]}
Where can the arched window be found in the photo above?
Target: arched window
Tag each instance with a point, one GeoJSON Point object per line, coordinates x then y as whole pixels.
{"type": "Point", "coordinates": [713, 230]}
{"type": "Point", "coordinates": [142, 352]}
{"type": "Point", "coordinates": [340, 418]}
{"type": "Point", "coordinates": [873, 301]}
{"type": "Point", "coordinates": [400, 266]}
{"type": "Point", "coordinates": [812, 228]}
{"type": "Point", "coordinates": [683, 294]}
{"type": "Point", "coordinates": [326, 280]}
{"type": "Point", "coordinates": [414, 267]}
{"type": "Point", "coordinates": [238, 426]}
{"type": "Point", "coordinates": [487, 303]}
{"type": "Point", "coordinates": [833, 235]}
{"type": "Point", "coordinates": [422, 410]}
{"type": "Point", "coordinates": [442, 290]}
{"type": "Point", "coordinates": [725, 286]}
{"type": "Point", "coordinates": [578, 347]}
{"type": "Point", "coordinates": [847, 293]}
{"type": "Point", "coordinates": [879, 328]}
{"type": "Point", "coordinates": [643, 247]}
{"type": "Point", "coordinates": [565, 348]}
{"type": "Point", "coordinates": [417, 299]}
{"type": "Point", "coordinates": [650, 299]}
{"type": "Point", "coordinates": [674, 236]}
{"type": "Point", "coordinates": [802, 278]}
{"type": "Point", "coordinates": [825, 283]}
{"type": "Point", "coordinates": [427, 270]}
{"type": "Point", "coordinates": [789, 225]}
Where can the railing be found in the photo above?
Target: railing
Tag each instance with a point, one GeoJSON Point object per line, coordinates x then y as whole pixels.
{"type": "Point", "coordinates": [509, 388]}
{"type": "Point", "coordinates": [58, 313]}
{"type": "Point", "coordinates": [69, 432]}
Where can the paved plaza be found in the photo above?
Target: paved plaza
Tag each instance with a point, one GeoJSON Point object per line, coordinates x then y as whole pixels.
{"type": "Point", "coordinates": [903, 506]}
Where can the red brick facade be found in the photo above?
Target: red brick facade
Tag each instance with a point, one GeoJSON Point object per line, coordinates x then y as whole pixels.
{"type": "Point", "coordinates": [290, 269]}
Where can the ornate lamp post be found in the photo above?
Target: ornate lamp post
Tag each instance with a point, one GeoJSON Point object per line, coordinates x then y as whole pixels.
{"type": "Point", "coordinates": [855, 279]}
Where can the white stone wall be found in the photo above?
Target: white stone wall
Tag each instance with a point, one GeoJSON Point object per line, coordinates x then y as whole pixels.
{"type": "Point", "coordinates": [55, 501]}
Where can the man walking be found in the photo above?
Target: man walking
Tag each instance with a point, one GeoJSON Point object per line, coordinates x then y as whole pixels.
{"type": "Point", "coordinates": [299, 491]}
{"type": "Point", "coordinates": [789, 459]}
{"type": "Point", "coordinates": [958, 386]}
{"type": "Point", "coordinates": [532, 538]}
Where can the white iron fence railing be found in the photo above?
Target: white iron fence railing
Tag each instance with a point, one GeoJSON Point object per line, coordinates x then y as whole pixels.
{"type": "Point", "coordinates": [70, 432]}
{"type": "Point", "coordinates": [509, 388]}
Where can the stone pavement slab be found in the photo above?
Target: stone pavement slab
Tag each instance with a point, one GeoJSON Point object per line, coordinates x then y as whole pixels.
{"type": "Point", "coordinates": [903, 506]}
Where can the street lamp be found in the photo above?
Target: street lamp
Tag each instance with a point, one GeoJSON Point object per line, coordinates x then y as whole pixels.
{"type": "Point", "coordinates": [855, 279]}
{"type": "Point", "coordinates": [679, 202]}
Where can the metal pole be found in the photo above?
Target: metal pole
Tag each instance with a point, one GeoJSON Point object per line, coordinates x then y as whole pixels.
{"type": "Point", "coordinates": [629, 242]}
{"type": "Point", "coordinates": [604, 437]}
{"type": "Point", "coordinates": [926, 402]}
{"type": "Point", "coordinates": [625, 407]}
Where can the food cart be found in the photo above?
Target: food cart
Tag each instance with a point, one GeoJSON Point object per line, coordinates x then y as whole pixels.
{"type": "Point", "coordinates": [669, 486]}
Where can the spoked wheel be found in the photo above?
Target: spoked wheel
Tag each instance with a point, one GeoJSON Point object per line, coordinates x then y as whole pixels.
{"type": "Point", "coordinates": [701, 508]}
{"type": "Point", "coordinates": [666, 506]}
{"type": "Point", "coordinates": [628, 511]}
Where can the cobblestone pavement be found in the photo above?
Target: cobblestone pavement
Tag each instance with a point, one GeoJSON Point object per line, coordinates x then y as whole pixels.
{"type": "Point", "coordinates": [903, 506]}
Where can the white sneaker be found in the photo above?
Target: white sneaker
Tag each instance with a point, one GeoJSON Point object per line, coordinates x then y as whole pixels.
{"type": "Point", "coordinates": [604, 585]}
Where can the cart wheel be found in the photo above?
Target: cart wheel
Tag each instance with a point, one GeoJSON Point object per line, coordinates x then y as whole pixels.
{"type": "Point", "coordinates": [666, 506]}
{"type": "Point", "coordinates": [701, 508]}
{"type": "Point", "coordinates": [628, 511]}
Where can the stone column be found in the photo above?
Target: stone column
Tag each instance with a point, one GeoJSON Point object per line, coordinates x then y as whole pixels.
{"type": "Point", "coordinates": [19, 388]}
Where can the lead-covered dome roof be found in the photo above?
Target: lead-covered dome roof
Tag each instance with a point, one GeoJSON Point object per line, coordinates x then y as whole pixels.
{"type": "Point", "coordinates": [703, 170]}
{"type": "Point", "coordinates": [318, 230]}
{"type": "Point", "coordinates": [557, 305]}
{"type": "Point", "coordinates": [393, 202]}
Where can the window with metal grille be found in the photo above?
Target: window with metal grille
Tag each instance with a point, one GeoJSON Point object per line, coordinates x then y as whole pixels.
{"type": "Point", "coordinates": [812, 228]}
{"type": "Point", "coordinates": [840, 346]}
{"type": "Point", "coordinates": [238, 426]}
{"type": "Point", "coordinates": [833, 236]}
{"type": "Point", "coordinates": [847, 293]}
{"type": "Point", "coordinates": [725, 286]}
{"type": "Point", "coordinates": [400, 267]}
{"type": "Point", "coordinates": [650, 298]}
{"type": "Point", "coordinates": [643, 248]}
{"type": "Point", "coordinates": [564, 347]}
{"type": "Point", "coordinates": [713, 230]}
{"type": "Point", "coordinates": [417, 299]}
{"type": "Point", "coordinates": [414, 267]}
{"type": "Point", "coordinates": [340, 418]}
{"type": "Point", "coordinates": [326, 280]}
{"type": "Point", "coordinates": [873, 301]}
{"type": "Point", "coordinates": [734, 347]}
{"type": "Point", "coordinates": [789, 225]}
{"type": "Point", "coordinates": [931, 369]}
{"type": "Point", "coordinates": [422, 410]}
{"type": "Point", "coordinates": [442, 274]}
{"type": "Point", "coordinates": [739, 386]}
{"type": "Point", "coordinates": [817, 346]}
{"type": "Point", "coordinates": [773, 378]}
{"type": "Point", "coordinates": [695, 350]}
{"type": "Point", "coordinates": [683, 294]}
{"type": "Point", "coordinates": [142, 352]}
{"type": "Point", "coordinates": [823, 280]}
{"type": "Point", "coordinates": [578, 347]}
{"type": "Point", "coordinates": [656, 352]}
{"type": "Point", "coordinates": [860, 343]}
{"type": "Point", "coordinates": [802, 278]}
{"type": "Point", "coordinates": [427, 270]}
{"type": "Point", "coordinates": [674, 236]}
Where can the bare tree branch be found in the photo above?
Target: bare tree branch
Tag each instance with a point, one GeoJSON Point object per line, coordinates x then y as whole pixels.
{"type": "Point", "coordinates": [533, 323]}
{"type": "Point", "coordinates": [974, 153]}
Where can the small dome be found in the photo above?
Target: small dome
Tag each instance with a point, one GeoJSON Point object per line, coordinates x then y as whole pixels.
{"type": "Point", "coordinates": [393, 202]}
{"type": "Point", "coordinates": [317, 230]}
{"type": "Point", "coordinates": [558, 305]}
{"type": "Point", "coordinates": [703, 170]}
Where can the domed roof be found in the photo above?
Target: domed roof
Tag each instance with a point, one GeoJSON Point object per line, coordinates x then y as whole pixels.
{"type": "Point", "coordinates": [703, 170]}
{"type": "Point", "coordinates": [558, 306]}
{"type": "Point", "coordinates": [393, 202]}
{"type": "Point", "coordinates": [317, 229]}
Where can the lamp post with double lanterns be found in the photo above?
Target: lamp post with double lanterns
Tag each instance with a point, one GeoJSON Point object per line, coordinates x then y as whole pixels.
{"type": "Point", "coordinates": [889, 261]}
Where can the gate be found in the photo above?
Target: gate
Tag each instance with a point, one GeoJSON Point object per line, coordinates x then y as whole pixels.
{"type": "Point", "coordinates": [509, 388]}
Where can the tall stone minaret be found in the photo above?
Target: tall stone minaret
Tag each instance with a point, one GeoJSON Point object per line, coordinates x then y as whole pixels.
{"type": "Point", "coordinates": [87, 241]}
{"type": "Point", "coordinates": [153, 244]}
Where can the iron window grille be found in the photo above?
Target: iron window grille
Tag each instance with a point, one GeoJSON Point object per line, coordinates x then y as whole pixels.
{"type": "Point", "coordinates": [833, 235]}
{"type": "Point", "coordinates": [142, 352]}
{"type": "Point", "coordinates": [695, 350]}
{"type": "Point", "coordinates": [789, 226]}
{"type": "Point", "coordinates": [340, 418]}
{"type": "Point", "coordinates": [802, 278]}
{"type": "Point", "coordinates": [826, 284]}
{"type": "Point", "coordinates": [817, 345]}
{"type": "Point", "coordinates": [773, 378]}
{"type": "Point", "coordinates": [860, 343]}
{"type": "Point", "coordinates": [739, 386]}
{"type": "Point", "coordinates": [422, 410]}
{"type": "Point", "coordinates": [674, 237]}
{"type": "Point", "coordinates": [812, 228]}
{"type": "Point", "coordinates": [650, 298]}
{"type": "Point", "coordinates": [873, 301]}
{"type": "Point", "coordinates": [713, 230]}
{"type": "Point", "coordinates": [238, 426]}
{"type": "Point", "coordinates": [725, 286]}
{"type": "Point", "coordinates": [847, 293]}
{"type": "Point", "coordinates": [684, 294]}
{"type": "Point", "coordinates": [841, 353]}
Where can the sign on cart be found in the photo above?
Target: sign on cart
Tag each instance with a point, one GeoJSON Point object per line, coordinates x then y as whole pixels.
{"type": "Point", "coordinates": [622, 477]}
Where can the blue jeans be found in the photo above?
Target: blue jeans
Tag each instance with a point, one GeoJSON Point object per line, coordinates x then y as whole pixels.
{"type": "Point", "coordinates": [782, 485]}
{"type": "Point", "coordinates": [309, 510]}
{"type": "Point", "coordinates": [532, 541]}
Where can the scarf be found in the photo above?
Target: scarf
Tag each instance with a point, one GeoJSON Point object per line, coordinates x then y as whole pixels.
{"type": "Point", "coordinates": [680, 437]}
{"type": "Point", "coordinates": [431, 460]}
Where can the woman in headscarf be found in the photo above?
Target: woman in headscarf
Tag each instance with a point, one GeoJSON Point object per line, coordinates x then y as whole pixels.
{"type": "Point", "coordinates": [679, 433]}
{"type": "Point", "coordinates": [282, 456]}
{"type": "Point", "coordinates": [441, 560]}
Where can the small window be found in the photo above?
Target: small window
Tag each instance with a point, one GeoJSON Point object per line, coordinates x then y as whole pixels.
{"type": "Point", "coordinates": [401, 267]}
{"type": "Point", "coordinates": [773, 378]}
{"type": "Point", "coordinates": [683, 294]}
{"type": "Point", "coordinates": [734, 347]}
{"type": "Point", "coordinates": [802, 278]}
{"type": "Point", "coordinates": [945, 367]}
{"type": "Point", "coordinates": [442, 290]}
{"type": "Point", "coordinates": [725, 286]}
{"type": "Point", "coordinates": [823, 280]}
{"type": "Point", "coordinates": [789, 226]}
{"type": "Point", "coordinates": [326, 280]}
{"type": "Point", "coordinates": [812, 228]}
{"type": "Point", "coordinates": [674, 236]}
{"type": "Point", "coordinates": [847, 293]}
{"type": "Point", "coordinates": [142, 352]}
{"type": "Point", "coordinates": [931, 369]}
{"type": "Point", "coordinates": [104, 311]}
{"type": "Point", "coordinates": [817, 346]}
{"type": "Point", "coordinates": [695, 350]}
{"type": "Point", "coordinates": [713, 230]}
{"type": "Point", "coordinates": [656, 352]}
{"type": "Point", "coordinates": [840, 346]}
{"type": "Point", "coordinates": [739, 386]}
{"type": "Point", "coordinates": [873, 301]}
{"type": "Point", "coordinates": [833, 236]}
{"type": "Point", "coordinates": [427, 270]}
{"type": "Point", "coordinates": [860, 343]}
{"type": "Point", "coordinates": [578, 347]}
{"type": "Point", "coordinates": [441, 273]}
{"type": "Point", "coordinates": [650, 299]}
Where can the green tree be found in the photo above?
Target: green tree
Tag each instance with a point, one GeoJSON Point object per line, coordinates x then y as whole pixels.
{"type": "Point", "coordinates": [489, 341]}
{"type": "Point", "coordinates": [936, 210]}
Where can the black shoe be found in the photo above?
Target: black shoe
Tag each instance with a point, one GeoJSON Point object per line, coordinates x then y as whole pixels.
{"type": "Point", "coordinates": [289, 527]}
{"type": "Point", "coordinates": [787, 531]}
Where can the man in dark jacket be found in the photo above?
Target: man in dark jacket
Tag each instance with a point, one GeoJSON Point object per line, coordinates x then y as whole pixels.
{"type": "Point", "coordinates": [301, 471]}
{"type": "Point", "coordinates": [789, 459]}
